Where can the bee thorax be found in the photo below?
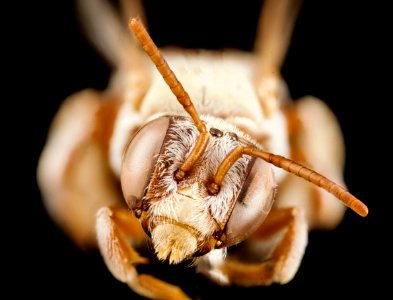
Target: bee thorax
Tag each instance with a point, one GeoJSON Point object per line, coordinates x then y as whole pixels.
{"type": "Point", "coordinates": [173, 242]}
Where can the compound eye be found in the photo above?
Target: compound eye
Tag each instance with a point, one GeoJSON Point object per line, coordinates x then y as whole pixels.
{"type": "Point", "coordinates": [253, 204]}
{"type": "Point", "coordinates": [140, 158]}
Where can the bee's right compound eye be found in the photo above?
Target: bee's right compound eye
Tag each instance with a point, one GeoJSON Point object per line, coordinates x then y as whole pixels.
{"type": "Point", "coordinates": [139, 159]}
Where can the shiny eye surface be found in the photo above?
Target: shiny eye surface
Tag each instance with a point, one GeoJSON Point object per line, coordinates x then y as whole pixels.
{"type": "Point", "coordinates": [252, 205]}
{"type": "Point", "coordinates": [139, 159]}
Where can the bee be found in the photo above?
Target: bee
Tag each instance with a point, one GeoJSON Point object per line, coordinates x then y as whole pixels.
{"type": "Point", "coordinates": [232, 162]}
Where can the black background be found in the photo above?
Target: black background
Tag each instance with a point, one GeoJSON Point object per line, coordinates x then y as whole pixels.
{"type": "Point", "coordinates": [334, 55]}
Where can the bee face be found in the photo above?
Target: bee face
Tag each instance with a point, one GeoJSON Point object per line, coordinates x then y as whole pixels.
{"type": "Point", "coordinates": [182, 217]}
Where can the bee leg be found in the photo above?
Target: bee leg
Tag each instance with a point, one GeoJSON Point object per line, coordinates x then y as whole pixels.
{"type": "Point", "coordinates": [274, 252]}
{"type": "Point", "coordinates": [72, 162]}
{"type": "Point", "coordinates": [115, 228]}
{"type": "Point", "coordinates": [316, 141]}
{"type": "Point", "coordinates": [273, 37]}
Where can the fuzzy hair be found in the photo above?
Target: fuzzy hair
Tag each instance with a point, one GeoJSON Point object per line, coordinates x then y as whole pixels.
{"type": "Point", "coordinates": [188, 202]}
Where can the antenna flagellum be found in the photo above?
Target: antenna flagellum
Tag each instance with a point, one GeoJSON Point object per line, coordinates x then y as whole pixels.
{"type": "Point", "coordinates": [178, 90]}
{"type": "Point", "coordinates": [292, 167]}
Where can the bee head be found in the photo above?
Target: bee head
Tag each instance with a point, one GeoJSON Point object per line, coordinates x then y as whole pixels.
{"type": "Point", "coordinates": [183, 218]}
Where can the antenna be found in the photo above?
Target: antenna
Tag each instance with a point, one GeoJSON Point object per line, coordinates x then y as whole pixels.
{"type": "Point", "coordinates": [292, 167]}
{"type": "Point", "coordinates": [177, 89]}
{"type": "Point", "coordinates": [200, 145]}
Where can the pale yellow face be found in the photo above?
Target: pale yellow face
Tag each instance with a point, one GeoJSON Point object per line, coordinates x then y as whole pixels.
{"type": "Point", "coordinates": [182, 217]}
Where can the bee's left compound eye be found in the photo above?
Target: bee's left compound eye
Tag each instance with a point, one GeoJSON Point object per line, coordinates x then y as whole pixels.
{"type": "Point", "coordinates": [139, 159]}
{"type": "Point", "coordinates": [252, 205]}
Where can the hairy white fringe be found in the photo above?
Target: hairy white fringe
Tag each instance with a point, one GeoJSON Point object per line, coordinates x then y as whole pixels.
{"type": "Point", "coordinates": [182, 135]}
